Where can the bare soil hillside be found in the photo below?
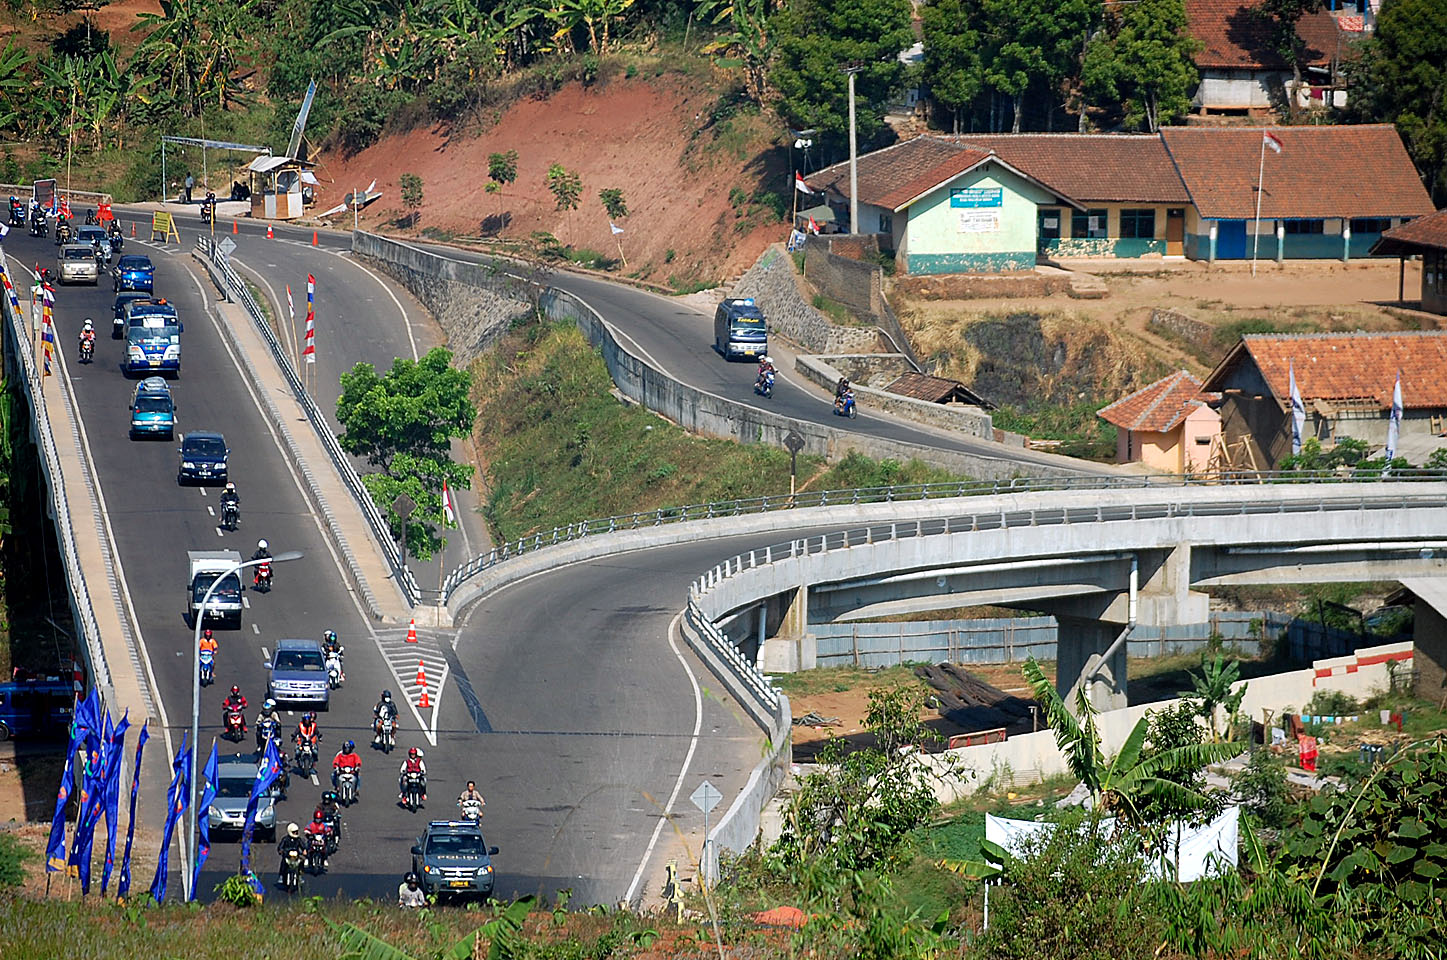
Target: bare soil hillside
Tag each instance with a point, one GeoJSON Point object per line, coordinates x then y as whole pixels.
{"type": "Point", "coordinates": [695, 176]}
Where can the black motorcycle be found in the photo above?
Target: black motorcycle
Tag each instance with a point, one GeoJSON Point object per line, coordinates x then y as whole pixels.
{"type": "Point", "coordinates": [316, 853]}
{"type": "Point", "coordinates": [17, 215]}
{"type": "Point", "coordinates": [290, 873]}
{"type": "Point", "coordinates": [230, 514]}
{"type": "Point", "coordinates": [39, 226]}
{"type": "Point", "coordinates": [87, 351]}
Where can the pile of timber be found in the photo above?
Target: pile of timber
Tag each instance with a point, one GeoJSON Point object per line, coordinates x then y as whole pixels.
{"type": "Point", "coordinates": [972, 704]}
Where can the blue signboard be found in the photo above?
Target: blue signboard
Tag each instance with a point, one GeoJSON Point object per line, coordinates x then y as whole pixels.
{"type": "Point", "coordinates": [971, 198]}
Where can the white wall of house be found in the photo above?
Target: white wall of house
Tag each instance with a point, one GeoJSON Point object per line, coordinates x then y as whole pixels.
{"type": "Point", "coordinates": [1237, 89]}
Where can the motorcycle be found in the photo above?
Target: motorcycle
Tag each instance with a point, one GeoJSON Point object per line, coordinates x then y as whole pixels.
{"type": "Point", "coordinates": [306, 757]}
{"type": "Point", "coordinates": [262, 580]}
{"type": "Point", "coordinates": [17, 215]}
{"type": "Point", "coordinates": [471, 809]}
{"type": "Point", "coordinates": [386, 733]}
{"type": "Point", "coordinates": [62, 233]}
{"type": "Point", "coordinates": [346, 787]}
{"type": "Point", "coordinates": [265, 730]}
{"type": "Point", "coordinates": [290, 873]}
{"type": "Point", "coordinates": [230, 514]}
{"type": "Point", "coordinates": [90, 219]}
{"type": "Point", "coordinates": [233, 725]}
{"type": "Point", "coordinates": [413, 788]}
{"type": "Point", "coordinates": [334, 839]}
{"type": "Point", "coordinates": [39, 227]}
{"type": "Point", "coordinates": [844, 406]}
{"type": "Point", "coordinates": [316, 853]}
{"type": "Point", "coordinates": [87, 351]}
{"type": "Point", "coordinates": [208, 672]}
{"type": "Point", "coordinates": [764, 386]}
{"type": "Point", "coordinates": [334, 670]}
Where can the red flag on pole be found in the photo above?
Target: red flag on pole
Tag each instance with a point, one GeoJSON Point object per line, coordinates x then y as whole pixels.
{"type": "Point", "coordinates": [310, 351]}
{"type": "Point", "coordinates": [447, 510]}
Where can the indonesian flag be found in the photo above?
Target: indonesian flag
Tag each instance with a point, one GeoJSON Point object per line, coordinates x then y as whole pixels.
{"type": "Point", "coordinates": [65, 207]}
{"type": "Point", "coordinates": [447, 510]}
{"type": "Point", "coordinates": [813, 225]}
{"type": "Point", "coordinates": [615, 228]}
{"type": "Point", "coordinates": [1271, 141]}
{"type": "Point", "coordinates": [801, 186]}
{"type": "Point", "coordinates": [310, 351]}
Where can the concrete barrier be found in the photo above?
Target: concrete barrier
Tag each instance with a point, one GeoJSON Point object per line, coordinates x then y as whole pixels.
{"type": "Point", "coordinates": [968, 421]}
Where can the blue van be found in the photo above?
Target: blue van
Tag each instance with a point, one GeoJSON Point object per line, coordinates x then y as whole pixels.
{"type": "Point", "coordinates": [35, 708]}
{"type": "Point", "coordinates": [153, 412]}
{"type": "Point", "coordinates": [153, 338]}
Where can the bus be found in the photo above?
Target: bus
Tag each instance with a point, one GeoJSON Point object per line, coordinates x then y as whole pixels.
{"type": "Point", "coordinates": [739, 330]}
{"type": "Point", "coordinates": [153, 338]}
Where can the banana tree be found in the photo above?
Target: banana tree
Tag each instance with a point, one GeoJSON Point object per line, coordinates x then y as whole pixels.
{"type": "Point", "coordinates": [594, 15]}
{"type": "Point", "coordinates": [1213, 688]}
{"type": "Point", "coordinates": [14, 83]}
{"type": "Point", "coordinates": [745, 41]}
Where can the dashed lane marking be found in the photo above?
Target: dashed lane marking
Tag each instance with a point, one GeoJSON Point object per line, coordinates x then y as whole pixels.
{"type": "Point", "coordinates": [210, 509]}
{"type": "Point", "coordinates": [256, 630]}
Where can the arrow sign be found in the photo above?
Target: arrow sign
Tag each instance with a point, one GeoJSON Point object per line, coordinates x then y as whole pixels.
{"type": "Point", "coordinates": [706, 797]}
{"type": "Point", "coordinates": [227, 245]}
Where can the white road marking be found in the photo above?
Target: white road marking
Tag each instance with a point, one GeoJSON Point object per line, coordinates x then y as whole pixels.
{"type": "Point", "coordinates": [203, 491]}
{"type": "Point", "coordinates": [315, 781]}
{"type": "Point", "coordinates": [210, 509]}
{"type": "Point", "coordinates": [256, 630]}
{"type": "Point", "coordinates": [266, 654]}
{"type": "Point", "coordinates": [683, 771]}
{"type": "Point", "coordinates": [246, 602]}
{"type": "Point", "coordinates": [219, 532]}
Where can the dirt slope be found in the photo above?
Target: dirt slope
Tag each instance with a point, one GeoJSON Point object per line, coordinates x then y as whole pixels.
{"type": "Point", "coordinates": [682, 176]}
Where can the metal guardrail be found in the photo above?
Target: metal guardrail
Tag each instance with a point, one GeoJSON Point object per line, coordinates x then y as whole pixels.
{"type": "Point", "coordinates": [236, 290]}
{"type": "Point", "coordinates": [754, 681]}
{"type": "Point", "coordinates": [65, 536]}
{"type": "Point", "coordinates": [892, 494]}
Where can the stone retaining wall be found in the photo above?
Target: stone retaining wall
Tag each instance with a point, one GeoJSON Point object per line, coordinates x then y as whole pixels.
{"type": "Point", "coordinates": [970, 421]}
{"type": "Point", "coordinates": [776, 287]}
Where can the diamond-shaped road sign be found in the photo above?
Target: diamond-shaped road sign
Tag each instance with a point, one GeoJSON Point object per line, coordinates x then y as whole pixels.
{"type": "Point", "coordinates": [227, 245]}
{"type": "Point", "coordinates": [706, 797]}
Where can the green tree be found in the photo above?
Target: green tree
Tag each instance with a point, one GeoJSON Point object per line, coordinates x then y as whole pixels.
{"type": "Point", "coordinates": [566, 188]}
{"type": "Point", "coordinates": [954, 69]}
{"type": "Point", "coordinates": [1399, 78]}
{"type": "Point", "coordinates": [593, 16]}
{"type": "Point", "coordinates": [403, 424]}
{"type": "Point", "coordinates": [1132, 780]}
{"type": "Point", "coordinates": [1153, 59]}
{"type": "Point", "coordinates": [1281, 18]}
{"type": "Point", "coordinates": [1212, 687]}
{"type": "Point", "coordinates": [815, 38]}
{"type": "Point", "coordinates": [1035, 42]}
{"type": "Point", "coordinates": [745, 40]}
{"type": "Point", "coordinates": [194, 47]}
{"type": "Point", "coordinates": [613, 203]}
{"type": "Point", "coordinates": [411, 190]}
{"type": "Point", "coordinates": [502, 170]}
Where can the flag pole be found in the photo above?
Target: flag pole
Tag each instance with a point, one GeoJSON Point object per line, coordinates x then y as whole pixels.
{"type": "Point", "coordinates": [1256, 224]}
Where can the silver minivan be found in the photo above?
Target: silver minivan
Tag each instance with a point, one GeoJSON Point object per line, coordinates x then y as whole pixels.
{"type": "Point", "coordinates": [76, 264]}
{"type": "Point", "coordinates": [299, 674]}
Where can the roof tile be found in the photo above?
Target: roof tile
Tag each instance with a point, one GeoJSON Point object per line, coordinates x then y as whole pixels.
{"type": "Point", "coordinates": [1235, 37]}
{"type": "Point", "coordinates": [1428, 231]}
{"type": "Point", "coordinates": [1321, 172]}
{"type": "Point", "coordinates": [895, 175]}
{"type": "Point", "coordinates": [1351, 366]}
{"type": "Point", "coordinates": [1122, 168]}
{"type": "Point", "coordinates": [1158, 407]}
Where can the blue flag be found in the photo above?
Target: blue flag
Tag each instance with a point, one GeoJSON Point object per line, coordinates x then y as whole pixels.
{"type": "Point", "coordinates": [86, 717]}
{"type": "Point", "coordinates": [178, 798]}
{"type": "Point", "coordinates": [92, 796]}
{"type": "Point", "coordinates": [112, 797]}
{"type": "Point", "coordinates": [267, 773]}
{"type": "Point", "coordinates": [123, 885]}
{"type": "Point", "coordinates": [203, 817]}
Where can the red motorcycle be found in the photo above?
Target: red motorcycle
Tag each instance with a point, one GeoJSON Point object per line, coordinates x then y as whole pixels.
{"type": "Point", "coordinates": [262, 581]}
{"type": "Point", "coordinates": [233, 724]}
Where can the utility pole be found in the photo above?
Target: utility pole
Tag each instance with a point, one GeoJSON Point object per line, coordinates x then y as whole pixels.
{"type": "Point", "coordinates": [851, 70]}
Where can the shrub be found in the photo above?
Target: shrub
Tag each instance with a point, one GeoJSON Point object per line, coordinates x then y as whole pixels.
{"type": "Point", "coordinates": [1262, 790]}
{"type": "Point", "coordinates": [1331, 703]}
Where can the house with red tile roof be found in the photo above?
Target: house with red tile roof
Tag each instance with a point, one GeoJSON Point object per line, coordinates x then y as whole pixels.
{"type": "Point", "coordinates": [1345, 381]}
{"type": "Point", "coordinates": [1241, 71]}
{"type": "Point", "coordinates": [1170, 425]}
{"type": "Point", "coordinates": [1425, 238]}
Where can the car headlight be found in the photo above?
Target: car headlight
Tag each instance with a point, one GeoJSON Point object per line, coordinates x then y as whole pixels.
{"type": "Point", "coordinates": [486, 869]}
{"type": "Point", "coordinates": [135, 351]}
{"type": "Point", "coordinates": [216, 813]}
{"type": "Point", "coordinates": [426, 869]}
{"type": "Point", "coordinates": [187, 465]}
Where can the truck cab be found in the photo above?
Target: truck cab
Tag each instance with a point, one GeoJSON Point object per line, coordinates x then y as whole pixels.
{"type": "Point", "coordinates": [739, 330]}
{"type": "Point", "coordinates": [205, 567]}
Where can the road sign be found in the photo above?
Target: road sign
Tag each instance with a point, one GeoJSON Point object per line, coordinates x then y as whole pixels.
{"type": "Point", "coordinates": [403, 506]}
{"type": "Point", "coordinates": [793, 442]}
{"type": "Point", "coordinates": [227, 245]}
{"type": "Point", "coordinates": [706, 797]}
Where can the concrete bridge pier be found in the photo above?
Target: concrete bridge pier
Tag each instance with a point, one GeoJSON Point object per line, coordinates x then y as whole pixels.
{"type": "Point", "coordinates": [793, 647]}
{"type": "Point", "coordinates": [1081, 644]}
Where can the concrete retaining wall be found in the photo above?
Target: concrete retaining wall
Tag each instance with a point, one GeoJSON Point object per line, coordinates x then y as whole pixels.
{"type": "Point", "coordinates": [777, 288]}
{"type": "Point", "coordinates": [475, 304]}
{"type": "Point", "coordinates": [970, 421]}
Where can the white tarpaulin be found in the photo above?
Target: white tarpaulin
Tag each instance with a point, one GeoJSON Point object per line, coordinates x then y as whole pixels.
{"type": "Point", "coordinates": [1195, 852]}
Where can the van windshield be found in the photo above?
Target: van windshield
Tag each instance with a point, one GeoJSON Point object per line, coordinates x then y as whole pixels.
{"type": "Point", "coordinates": [455, 845]}
{"type": "Point", "coordinates": [228, 592]}
{"type": "Point", "coordinates": [747, 323]}
{"type": "Point", "coordinates": [309, 661]}
{"type": "Point", "coordinates": [203, 447]}
{"type": "Point", "coordinates": [153, 405]}
{"type": "Point", "coordinates": [76, 254]}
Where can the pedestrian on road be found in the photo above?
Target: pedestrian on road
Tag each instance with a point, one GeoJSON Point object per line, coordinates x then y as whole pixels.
{"type": "Point", "coordinates": [190, 182]}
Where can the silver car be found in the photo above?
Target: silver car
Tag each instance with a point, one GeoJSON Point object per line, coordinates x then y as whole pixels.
{"type": "Point", "coordinates": [77, 264]}
{"type": "Point", "coordinates": [234, 776]}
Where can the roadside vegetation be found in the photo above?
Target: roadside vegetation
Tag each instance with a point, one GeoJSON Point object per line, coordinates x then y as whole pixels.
{"type": "Point", "coordinates": [561, 448]}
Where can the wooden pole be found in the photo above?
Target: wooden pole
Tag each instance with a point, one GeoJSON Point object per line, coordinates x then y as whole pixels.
{"type": "Point", "coordinates": [1402, 281]}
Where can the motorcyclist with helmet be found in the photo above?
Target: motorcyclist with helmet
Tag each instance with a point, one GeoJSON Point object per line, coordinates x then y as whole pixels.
{"type": "Point", "coordinates": [331, 645]}
{"type": "Point", "coordinates": [292, 841]}
{"type": "Point", "coordinates": [263, 552]}
{"type": "Point", "coordinates": [209, 645]}
{"type": "Point", "coordinates": [318, 827]}
{"type": "Point", "coordinates": [307, 732]}
{"type": "Point", "coordinates": [332, 815]}
{"type": "Point", "coordinates": [347, 759]}
{"type": "Point", "coordinates": [234, 701]}
{"type": "Point", "coordinates": [409, 893]}
{"type": "Point", "coordinates": [267, 719]}
{"type": "Point", "coordinates": [383, 713]}
{"type": "Point", "coordinates": [87, 340]}
{"type": "Point", "coordinates": [415, 765]}
{"type": "Point", "coordinates": [766, 366]}
{"type": "Point", "coordinates": [230, 496]}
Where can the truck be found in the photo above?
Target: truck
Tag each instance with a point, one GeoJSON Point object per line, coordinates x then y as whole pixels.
{"type": "Point", "coordinates": [153, 338]}
{"type": "Point", "coordinates": [225, 603]}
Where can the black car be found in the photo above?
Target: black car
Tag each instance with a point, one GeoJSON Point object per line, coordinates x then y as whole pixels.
{"type": "Point", "coordinates": [453, 858]}
{"type": "Point", "coordinates": [118, 319]}
{"type": "Point", "coordinates": [203, 457]}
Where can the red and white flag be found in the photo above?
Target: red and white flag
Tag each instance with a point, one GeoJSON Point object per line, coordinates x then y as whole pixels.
{"type": "Point", "coordinates": [447, 510]}
{"type": "Point", "coordinates": [65, 207]}
{"type": "Point", "coordinates": [290, 308]}
{"type": "Point", "coordinates": [310, 350]}
{"type": "Point", "coordinates": [1271, 141]}
{"type": "Point", "coordinates": [801, 186]}
{"type": "Point", "coordinates": [813, 226]}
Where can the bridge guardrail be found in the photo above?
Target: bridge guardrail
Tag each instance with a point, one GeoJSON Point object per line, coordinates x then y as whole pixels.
{"type": "Point", "coordinates": [889, 494]}
{"type": "Point", "coordinates": [65, 536]}
{"type": "Point", "coordinates": [237, 291]}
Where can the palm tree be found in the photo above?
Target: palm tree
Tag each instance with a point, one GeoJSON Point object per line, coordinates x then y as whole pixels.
{"type": "Point", "coordinates": [1124, 783]}
{"type": "Point", "coordinates": [1213, 689]}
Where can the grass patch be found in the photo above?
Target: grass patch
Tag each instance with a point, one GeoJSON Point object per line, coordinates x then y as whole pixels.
{"type": "Point", "coordinates": [835, 310]}
{"type": "Point", "coordinates": [12, 861]}
{"type": "Point", "coordinates": [1081, 433]}
{"type": "Point", "coordinates": [561, 449]}
{"type": "Point", "coordinates": [840, 679]}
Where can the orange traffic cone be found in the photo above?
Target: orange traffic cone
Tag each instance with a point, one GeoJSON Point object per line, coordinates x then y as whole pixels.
{"type": "Point", "coordinates": [234, 227]}
{"type": "Point", "coordinates": [133, 228]}
{"type": "Point", "coordinates": [269, 234]}
{"type": "Point", "coordinates": [424, 703]}
{"type": "Point", "coordinates": [421, 675]}
{"type": "Point", "coordinates": [412, 630]}
{"type": "Point", "coordinates": [314, 238]}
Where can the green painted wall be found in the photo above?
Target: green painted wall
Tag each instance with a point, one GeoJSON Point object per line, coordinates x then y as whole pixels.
{"type": "Point", "coordinates": [937, 244]}
{"type": "Point", "coordinates": [1104, 247]}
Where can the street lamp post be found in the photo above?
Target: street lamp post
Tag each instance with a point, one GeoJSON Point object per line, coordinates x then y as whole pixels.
{"type": "Point", "coordinates": [196, 691]}
{"type": "Point", "coordinates": [851, 70]}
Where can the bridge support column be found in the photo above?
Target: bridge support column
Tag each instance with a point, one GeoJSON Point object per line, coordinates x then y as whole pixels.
{"type": "Point", "coordinates": [793, 648]}
{"type": "Point", "coordinates": [1078, 654]}
{"type": "Point", "coordinates": [1166, 597]}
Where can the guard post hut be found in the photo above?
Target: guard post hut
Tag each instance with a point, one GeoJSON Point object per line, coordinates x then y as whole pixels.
{"type": "Point", "coordinates": [276, 187]}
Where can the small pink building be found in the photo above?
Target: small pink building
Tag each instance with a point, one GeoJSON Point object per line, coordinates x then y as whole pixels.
{"type": "Point", "coordinates": [1169, 425]}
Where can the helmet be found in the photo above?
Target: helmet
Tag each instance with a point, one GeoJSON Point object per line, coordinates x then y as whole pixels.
{"type": "Point", "coordinates": [235, 690]}
{"type": "Point", "coordinates": [329, 796]}
{"type": "Point", "coordinates": [206, 634]}
{"type": "Point", "coordinates": [412, 753]}
{"type": "Point", "coordinates": [317, 817]}
{"type": "Point", "coordinates": [261, 544]}
{"type": "Point", "coordinates": [411, 878]}
{"type": "Point", "coordinates": [766, 359]}
{"type": "Point", "coordinates": [268, 705]}
{"type": "Point", "coordinates": [349, 746]}
{"type": "Point", "coordinates": [330, 636]}
{"type": "Point", "coordinates": [88, 324]}
{"type": "Point", "coordinates": [231, 487]}
{"type": "Point", "coordinates": [292, 830]}
{"type": "Point", "coordinates": [386, 694]}
{"type": "Point", "coordinates": [310, 715]}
